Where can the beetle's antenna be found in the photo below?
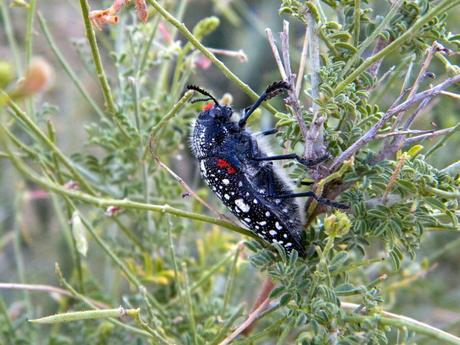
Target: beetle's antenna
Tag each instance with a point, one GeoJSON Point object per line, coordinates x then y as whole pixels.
{"type": "Point", "coordinates": [201, 100]}
{"type": "Point", "coordinates": [204, 92]}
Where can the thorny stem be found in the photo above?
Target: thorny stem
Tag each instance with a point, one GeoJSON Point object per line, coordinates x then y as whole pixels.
{"type": "Point", "coordinates": [441, 7]}
{"type": "Point", "coordinates": [219, 64]}
{"type": "Point", "coordinates": [372, 132]}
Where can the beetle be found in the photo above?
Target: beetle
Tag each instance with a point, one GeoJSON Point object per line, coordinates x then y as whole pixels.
{"type": "Point", "coordinates": [243, 175]}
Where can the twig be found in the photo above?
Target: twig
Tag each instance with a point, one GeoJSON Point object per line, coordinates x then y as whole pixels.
{"type": "Point", "coordinates": [452, 169]}
{"type": "Point", "coordinates": [434, 134]}
{"type": "Point", "coordinates": [400, 321]}
{"type": "Point", "coordinates": [409, 131]}
{"type": "Point", "coordinates": [372, 132]}
{"type": "Point", "coordinates": [421, 75]}
{"type": "Point", "coordinates": [100, 72]}
{"type": "Point", "coordinates": [240, 54]}
{"type": "Point", "coordinates": [292, 99]}
{"type": "Point", "coordinates": [49, 289]}
{"type": "Point", "coordinates": [264, 294]}
{"type": "Point", "coordinates": [303, 61]}
{"type": "Point", "coordinates": [451, 94]}
{"type": "Point", "coordinates": [314, 145]}
{"type": "Point", "coordinates": [276, 54]}
{"type": "Point", "coordinates": [381, 43]}
{"type": "Point", "coordinates": [251, 318]}
{"type": "Point", "coordinates": [285, 48]}
{"type": "Point", "coordinates": [394, 176]}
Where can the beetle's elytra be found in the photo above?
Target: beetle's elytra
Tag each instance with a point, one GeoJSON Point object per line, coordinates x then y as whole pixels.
{"type": "Point", "coordinates": [243, 175]}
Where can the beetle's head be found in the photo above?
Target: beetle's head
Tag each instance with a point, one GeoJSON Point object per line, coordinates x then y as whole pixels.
{"type": "Point", "coordinates": [213, 111]}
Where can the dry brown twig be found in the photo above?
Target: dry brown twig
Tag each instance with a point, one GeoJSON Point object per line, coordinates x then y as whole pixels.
{"type": "Point", "coordinates": [394, 110]}
{"type": "Point", "coordinates": [247, 323]}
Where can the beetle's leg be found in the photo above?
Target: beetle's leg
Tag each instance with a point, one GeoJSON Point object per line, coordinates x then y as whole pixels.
{"type": "Point", "coordinates": [266, 132]}
{"type": "Point", "coordinates": [306, 162]}
{"type": "Point", "coordinates": [271, 91]}
{"type": "Point", "coordinates": [314, 196]}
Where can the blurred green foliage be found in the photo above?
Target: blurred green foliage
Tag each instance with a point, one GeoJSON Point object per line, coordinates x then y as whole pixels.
{"type": "Point", "coordinates": [90, 174]}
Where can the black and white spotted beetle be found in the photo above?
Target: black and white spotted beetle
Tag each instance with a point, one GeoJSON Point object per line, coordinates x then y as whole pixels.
{"type": "Point", "coordinates": [243, 175]}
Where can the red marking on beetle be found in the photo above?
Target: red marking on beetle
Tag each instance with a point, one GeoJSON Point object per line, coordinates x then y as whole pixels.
{"type": "Point", "coordinates": [207, 106]}
{"type": "Point", "coordinates": [222, 163]}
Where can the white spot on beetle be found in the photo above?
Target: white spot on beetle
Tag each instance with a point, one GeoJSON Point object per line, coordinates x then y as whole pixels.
{"type": "Point", "coordinates": [247, 219]}
{"type": "Point", "coordinates": [272, 232]}
{"type": "Point", "coordinates": [203, 168]}
{"type": "Point", "coordinates": [225, 181]}
{"type": "Point", "coordinates": [242, 205]}
{"type": "Point", "coordinates": [255, 201]}
{"type": "Point", "coordinates": [240, 184]}
{"type": "Point", "coordinates": [285, 236]}
{"type": "Point", "coordinates": [226, 196]}
{"type": "Point", "coordinates": [263, 222]}
{"type": "Point", "coordinates": [267, 214]}
{"type": "Point", "coordinates": [285, 210]}
{"type": "Point", "coordinates": [288, 244]}
{"type": "Point", "coordinates": [278, 226]}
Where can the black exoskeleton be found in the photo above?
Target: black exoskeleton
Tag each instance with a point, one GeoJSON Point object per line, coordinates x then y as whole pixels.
{"type": "Point", "coordinates": [243, 175]}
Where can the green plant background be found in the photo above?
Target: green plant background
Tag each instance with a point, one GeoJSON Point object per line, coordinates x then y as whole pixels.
{"type": "Point", "coordinates": [190, 274]}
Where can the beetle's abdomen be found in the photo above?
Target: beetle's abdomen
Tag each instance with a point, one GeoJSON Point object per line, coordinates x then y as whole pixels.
{"type": "Point", "coordinates": [250, 204]}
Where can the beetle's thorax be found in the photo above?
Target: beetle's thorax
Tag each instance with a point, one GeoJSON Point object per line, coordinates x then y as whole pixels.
{"type": "Point", "coordinates": [211, 130]}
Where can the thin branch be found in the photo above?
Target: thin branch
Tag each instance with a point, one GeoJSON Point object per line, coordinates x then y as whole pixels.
{"type": "Point", "coordinates": [248, 322]}
{"type": "Point", "coordinates": [276, 54]}
{"type": "Point", "coordinates": [48, 289]}
{"type": "Point", "coordinates": [314, 145]}
{"type": "Point", "coordinates": [292, 99]}
{"type": "Point", "coordinates": [452, 169]}
{"type": "Point", "coordinates": [407, 132]}
{"type": "Point", "coordinates": [264, 294]}
{"type": "Point", "coordinates": [400, 321]}
{"type": "Point", "coordinates": [372, 132]}
{"type": "Point", "coordinates": [239, 54]}
{"type": "Point", "coordinates": [303, 61]}
{"type": "Point", "coordinates": [434, 134]}
{"type": "Point", "coordinates": [100, 72]}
